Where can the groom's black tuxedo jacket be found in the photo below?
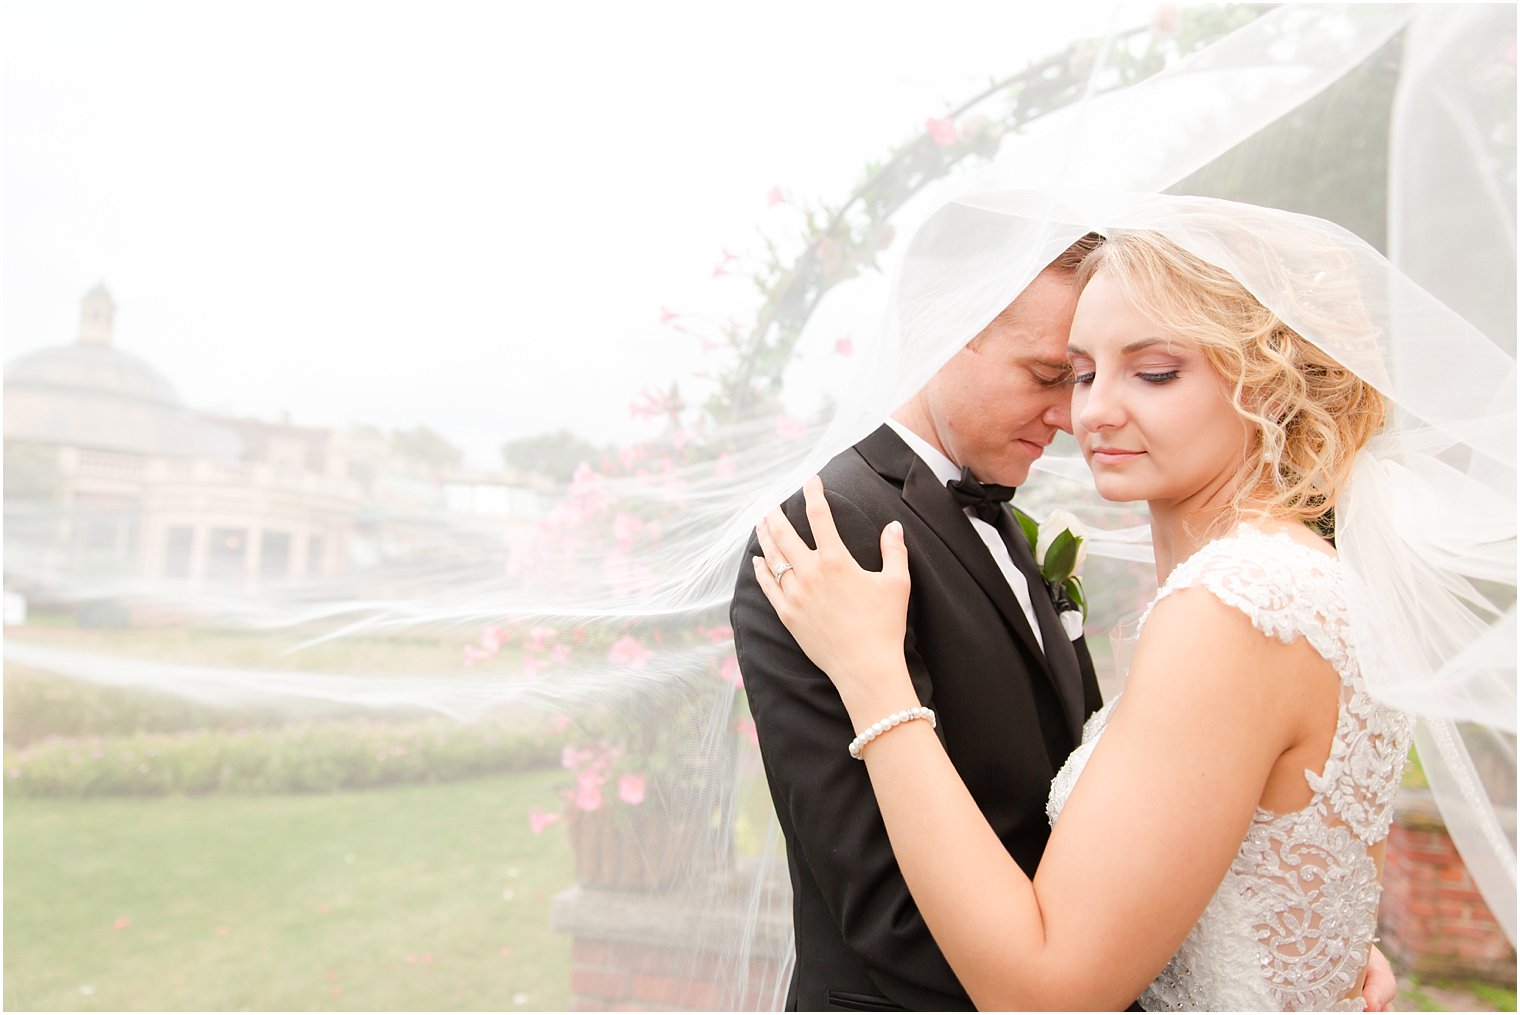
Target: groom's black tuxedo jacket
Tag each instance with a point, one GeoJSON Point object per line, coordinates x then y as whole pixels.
{"type": "Point", "coordinates": [1008, 716]}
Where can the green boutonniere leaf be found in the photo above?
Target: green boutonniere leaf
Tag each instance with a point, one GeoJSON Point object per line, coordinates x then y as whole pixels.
{"type": "Point", "coordinates": [1061, 559]}
{"type": "Point", "coordinates": [1029, 527]}
{"type": "Point", "coordinates": [1076, 595]}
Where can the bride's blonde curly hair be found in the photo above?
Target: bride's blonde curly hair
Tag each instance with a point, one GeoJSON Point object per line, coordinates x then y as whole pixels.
{"type": "Point", "coordinates": [1310, 414]}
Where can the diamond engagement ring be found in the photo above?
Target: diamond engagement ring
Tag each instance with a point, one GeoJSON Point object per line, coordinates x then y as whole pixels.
{"type": "Point", "coordinates": [781, 569]}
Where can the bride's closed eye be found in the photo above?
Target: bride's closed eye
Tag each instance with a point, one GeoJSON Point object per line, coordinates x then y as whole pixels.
{"type": "Point", "coordinates": [1158, 377]}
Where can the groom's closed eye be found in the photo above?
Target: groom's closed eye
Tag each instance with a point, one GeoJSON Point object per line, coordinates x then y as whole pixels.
{"type": "Point", "coordinates": [1050, 375]}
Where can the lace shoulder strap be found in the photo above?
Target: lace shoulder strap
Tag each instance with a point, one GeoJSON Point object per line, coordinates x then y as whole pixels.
{"type": "Point", "coordinates": [1285, 588]}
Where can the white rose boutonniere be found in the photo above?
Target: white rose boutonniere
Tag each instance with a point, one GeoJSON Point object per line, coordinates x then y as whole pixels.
{"type": "Point", "coordinates": [1060, 546]}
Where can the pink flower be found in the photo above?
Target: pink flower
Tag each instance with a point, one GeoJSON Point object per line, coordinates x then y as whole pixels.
{"type": "Point", "coordinates": [626, 527]}
{"type": "Point", "coordinates": [789, 427]}
{"type": "Point", "coordinates": [559, 723]}
{"type": "Point", "coordinates": [538, 638]}
{"type": "Point", "coordinates": [588, 795]}
{"type": "Point", "coordinates": [775, 197]}
{"type": "Point", "coordinates": [492, 639]}
{"type": "Point", "coordinates": [631, 788]}
{"type": "Point", "coordinates": [630, 652]}
{"type": "Point", "coordinates": [667, 315]}
{"type": "Point", "coordinates": [942, 131]}
{"type": "Point", "coordinates": [583, 478]}
{"type": "Point", "coordinates": [473, 655]}
{"type": "Point", "coordinates": [720, 634]}
{"type": "Point", "coordinates": [540, 819]}
{"type": "Point", "coordinates": [747, 727]}
{"type": "Point", "coordinates": [730, 672]}
{"type": "Point", "coordinates": [121, 923]}
{"type": "Point", "coordinates": [653, 404]}
{"type": "Point", "coordinates": [574, 758]}
{"type": "Point", "coordinates": [1165, 22]}
{"type": "Point", "coordinates": [844, 347]}
{"type": "Point", "coordinates": [560, 654]}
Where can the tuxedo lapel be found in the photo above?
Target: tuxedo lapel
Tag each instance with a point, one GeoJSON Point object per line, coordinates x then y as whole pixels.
{"type": "Point", "coordinates": [927, 497]}
{"type": "Point", "coordinates": [1061, 657]}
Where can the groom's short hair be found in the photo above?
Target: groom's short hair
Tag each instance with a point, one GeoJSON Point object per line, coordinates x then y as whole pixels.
{"type": "Point", "coordinates": [1070, 259]}
{"type": "Point", "coordinates": [1065, 265]}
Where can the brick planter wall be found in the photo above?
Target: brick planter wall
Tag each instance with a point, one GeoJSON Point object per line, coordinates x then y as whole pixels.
{"type": "Point", "coordinates": [643, 951]}
{"type": "Point", "coordinates": [1432, 920]}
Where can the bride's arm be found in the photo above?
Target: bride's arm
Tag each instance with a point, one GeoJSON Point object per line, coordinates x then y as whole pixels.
{"type": "Point", "coordinates": [1144, 841]}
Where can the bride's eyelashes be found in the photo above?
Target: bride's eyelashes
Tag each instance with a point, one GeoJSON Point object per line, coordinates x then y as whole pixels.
{"type": "Point", "coordinates": [1160, 377]}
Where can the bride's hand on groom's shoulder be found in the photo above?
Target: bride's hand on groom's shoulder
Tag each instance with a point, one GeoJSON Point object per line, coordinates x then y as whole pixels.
{"type": "Point", "coordinates": [851, 622]}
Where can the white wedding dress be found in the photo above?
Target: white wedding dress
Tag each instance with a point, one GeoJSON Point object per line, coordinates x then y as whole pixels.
{"type": "Point", "coordinates": [1289, 927]}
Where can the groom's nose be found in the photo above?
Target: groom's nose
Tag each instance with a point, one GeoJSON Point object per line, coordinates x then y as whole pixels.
{"type": "Point", "coordinates": [1058, 412]}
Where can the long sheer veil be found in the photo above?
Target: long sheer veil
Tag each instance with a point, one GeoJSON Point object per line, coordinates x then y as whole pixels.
{"type": "Point", "coordinates": [589, 647]}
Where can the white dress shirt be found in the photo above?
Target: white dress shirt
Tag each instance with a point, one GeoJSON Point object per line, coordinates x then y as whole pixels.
{"type": "Point", "coordinates": [947, 470]}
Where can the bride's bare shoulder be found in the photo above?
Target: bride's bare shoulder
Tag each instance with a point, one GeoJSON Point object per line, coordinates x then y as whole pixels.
{"type": "Point", "coordinates": [1208, 645]}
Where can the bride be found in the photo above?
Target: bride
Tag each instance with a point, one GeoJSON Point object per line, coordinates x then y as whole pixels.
{"type": "Point", "coordinates": [1218, 836]}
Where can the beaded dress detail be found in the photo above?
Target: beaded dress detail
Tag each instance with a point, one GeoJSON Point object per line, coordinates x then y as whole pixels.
{"type": "Point", "coordinates": [1289, 927]}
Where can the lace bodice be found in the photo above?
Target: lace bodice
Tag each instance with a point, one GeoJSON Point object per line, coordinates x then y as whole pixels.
{"type": "Point", "coordinates": [1289, 926]}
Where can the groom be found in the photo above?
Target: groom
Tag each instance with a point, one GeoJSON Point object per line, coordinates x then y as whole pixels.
{"type": "Point", "coordinates": [985, 647]}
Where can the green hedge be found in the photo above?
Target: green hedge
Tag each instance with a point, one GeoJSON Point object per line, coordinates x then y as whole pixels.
{"type": "Point", "coordinates": [40, 705]}
{"type": "Point", "coordinates": [312, 757]}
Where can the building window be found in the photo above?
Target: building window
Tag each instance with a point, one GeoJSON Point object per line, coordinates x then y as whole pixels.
{"type": "Point", "coordinates": [225, 554]}
{"type": "Point", "coordinates": [274, 560]}
{"type": "Point", "coordinates": [178, 551]}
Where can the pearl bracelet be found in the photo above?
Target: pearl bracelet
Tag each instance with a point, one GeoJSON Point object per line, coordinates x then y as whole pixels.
{"type": "Point", "coordinates": [895, 719]}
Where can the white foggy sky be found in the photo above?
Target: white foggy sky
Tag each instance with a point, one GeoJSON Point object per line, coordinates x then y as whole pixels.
{"type": "Point", "coordinates": [461, 214]}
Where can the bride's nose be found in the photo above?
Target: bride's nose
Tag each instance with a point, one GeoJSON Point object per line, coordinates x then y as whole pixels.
{"type": "Point", "coordinates": [1095, 406]}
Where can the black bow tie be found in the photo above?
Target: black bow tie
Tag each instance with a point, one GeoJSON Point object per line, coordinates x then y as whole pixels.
{"type": "Point", "coordinates": [984, 499]}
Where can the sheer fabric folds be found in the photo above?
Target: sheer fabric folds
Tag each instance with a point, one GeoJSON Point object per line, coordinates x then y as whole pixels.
{"type": "Point", "coordinates": [601, 631]}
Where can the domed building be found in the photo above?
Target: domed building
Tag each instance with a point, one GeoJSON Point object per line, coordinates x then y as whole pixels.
{"type": "Point", "coordinates": [113, 485]}
{"type": "Point", "coordinates": [116, 490]}
{"type": "Point", "coordinates": [91, 394]}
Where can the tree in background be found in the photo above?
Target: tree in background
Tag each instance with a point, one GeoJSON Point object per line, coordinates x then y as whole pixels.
{"type": "Point", "coordinates": [551, 454]}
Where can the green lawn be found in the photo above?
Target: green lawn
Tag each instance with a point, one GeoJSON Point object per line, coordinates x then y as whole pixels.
{"type": "Point", "coordinates": [416, 897]}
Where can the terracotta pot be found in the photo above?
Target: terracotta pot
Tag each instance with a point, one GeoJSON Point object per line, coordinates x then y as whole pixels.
{"type": "Point", "coordinates": [640, 848]}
